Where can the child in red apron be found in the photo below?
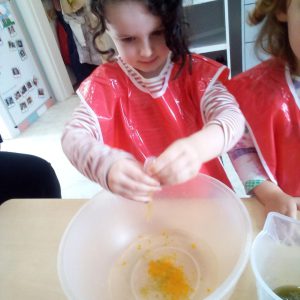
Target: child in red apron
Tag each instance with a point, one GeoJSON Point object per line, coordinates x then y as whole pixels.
{"type": "Point", "coordinates": [154, 99]}
{"type": "Point", "coordinates": [268, 156]}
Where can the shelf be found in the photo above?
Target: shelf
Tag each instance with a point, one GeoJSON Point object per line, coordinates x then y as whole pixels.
{"type": "Point", "coordinates": [211, 41]}
{"type": "Point", "coordinates": [207, 48]}
{"type": "Point", "coordinates": [208, 28]}
{"type": "Point", "coordinates": [195, 2]}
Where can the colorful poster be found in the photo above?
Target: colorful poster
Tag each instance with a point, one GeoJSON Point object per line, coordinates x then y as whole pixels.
{"type": "Point", "coordinates": [22, 89]}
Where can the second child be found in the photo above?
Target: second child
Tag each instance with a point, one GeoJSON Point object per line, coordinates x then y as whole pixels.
{"type": "Point", "coordinates": [268, 156]}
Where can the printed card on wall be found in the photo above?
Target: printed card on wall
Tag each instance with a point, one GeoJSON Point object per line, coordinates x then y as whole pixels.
{"type": "Point", "coordinates": [22, 89]}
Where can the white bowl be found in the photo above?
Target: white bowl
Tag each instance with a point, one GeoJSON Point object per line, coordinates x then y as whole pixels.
{"type": "Point", "coordinates": [200, 228]}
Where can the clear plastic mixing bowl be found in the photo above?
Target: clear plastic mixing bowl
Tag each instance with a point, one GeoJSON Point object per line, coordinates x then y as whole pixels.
{"type": "Point", "coordinates": [197, 235]}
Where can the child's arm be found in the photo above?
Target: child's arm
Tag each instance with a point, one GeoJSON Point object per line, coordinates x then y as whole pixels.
{"type": "Point", "coordinates": [248, 166]}
{"type": "Point", "coordinates": [224, 127]}
{"type": "Point", "coordinates": [112, 168]}
{"type": "Point", "coordinates": [274, 199]}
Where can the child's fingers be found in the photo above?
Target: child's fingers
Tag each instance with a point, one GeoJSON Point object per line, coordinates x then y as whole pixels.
{"type": "Point", "coordinates": [178, 176]}
{"type": "Point", "coordinates": [136, 191]}
{"type": "Point", "coordinates": [293, 207]}
{"type": "Point", "coordinates": [139, 187]}
{"type": "Point", "coordinates": [135, 183]}
{"type": "Point", "coordinates": [174, 157]}
{"type": "Point", "coordinates": [124, 169]}
{"type": "Point", "coordinates": [180, 169]}
{"type": "Point", "coordinates": [148, 164]}
{"type": "Point", "coordinates": [143, 180]}
{"type": "Point", "coordinates": [161, 163]}
{"type": "Point", "coordinates": [145, 199]}
{"type": "Point", "coordinates": [297, 199]}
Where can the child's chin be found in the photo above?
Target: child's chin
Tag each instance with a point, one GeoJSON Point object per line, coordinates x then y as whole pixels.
{"type": "Point", "coordinates": [149, 72]}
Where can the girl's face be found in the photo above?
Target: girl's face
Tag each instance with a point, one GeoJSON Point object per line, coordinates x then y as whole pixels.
{"type": "Point", "coordinates": [292, 17]}
{"type": "Point", "coordinates": [138, 36]}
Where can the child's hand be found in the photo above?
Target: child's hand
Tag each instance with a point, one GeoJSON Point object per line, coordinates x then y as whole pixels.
{"type": "Point", "coordinates": [178, 163]}
{"type": "Point", "coordinates": [128, 179]}
{"type": "Point", "coordinates": [183, 159]}
{"type": "Point", "coordinates": [274, 199]}
{"type": "Point", "coordinates": [284, 204]}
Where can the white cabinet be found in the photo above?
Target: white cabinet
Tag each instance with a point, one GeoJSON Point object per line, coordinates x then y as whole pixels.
{"type": "Point", "coordinates": [209, 28]}
{"type": "Point", "coordinates": [250, 57]}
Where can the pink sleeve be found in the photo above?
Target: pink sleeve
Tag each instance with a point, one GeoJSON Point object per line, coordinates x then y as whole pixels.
{"type": "Point", "coordinates": [83, 145]}
{"type": "Point", "coordinates": [246, 161]}
{"type": "Point", "coordinates": [218, 106]}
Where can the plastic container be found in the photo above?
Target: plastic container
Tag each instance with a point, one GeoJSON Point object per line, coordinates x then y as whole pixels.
{"type": "Point", "coordinates": [275, 255]}
{"type": "Point", "coordinates": [199, 228]}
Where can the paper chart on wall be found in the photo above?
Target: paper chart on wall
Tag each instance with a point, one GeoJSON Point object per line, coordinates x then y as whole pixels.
{"type": "Point", "coordinates": [22, 88]}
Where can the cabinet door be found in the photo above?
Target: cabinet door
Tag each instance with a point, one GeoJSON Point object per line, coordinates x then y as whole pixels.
{"type": "Point", "coordinates": [208, 32]}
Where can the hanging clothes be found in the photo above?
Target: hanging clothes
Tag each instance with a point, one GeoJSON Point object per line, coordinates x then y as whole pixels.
{"type": "Point", "coordinates": [83, 37]}
{"type": "Point", "coordinates": [70, 7]}
{"type": "Point", "coordinates": [83, 22]}
{"type": "Point", "coordinates": [62, 36]}
{"type": "Point", "coordinates": [80, 70]}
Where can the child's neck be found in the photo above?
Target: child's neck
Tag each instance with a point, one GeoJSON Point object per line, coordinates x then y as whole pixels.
{"type": "Point", "coordinates": [156, 85]}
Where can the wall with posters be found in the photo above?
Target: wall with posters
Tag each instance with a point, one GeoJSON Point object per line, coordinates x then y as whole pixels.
{"type": "Point", "coordinates": [41, 35]}
{"type": "Point", "coordinates": [23, 91]}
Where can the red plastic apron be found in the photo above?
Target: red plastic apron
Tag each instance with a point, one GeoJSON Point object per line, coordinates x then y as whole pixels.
{"type": "Point", "coordinates": [134, 121]}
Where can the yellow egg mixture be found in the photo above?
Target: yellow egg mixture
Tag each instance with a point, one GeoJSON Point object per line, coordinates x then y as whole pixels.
{"type": "Point", "coordinates": [167, 279]}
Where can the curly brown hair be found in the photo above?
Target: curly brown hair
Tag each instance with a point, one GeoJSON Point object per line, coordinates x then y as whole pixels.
{"type": "Point", "coordinates": [273, 37]}
{"type": "Point", "coordinates": [171, 14]}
